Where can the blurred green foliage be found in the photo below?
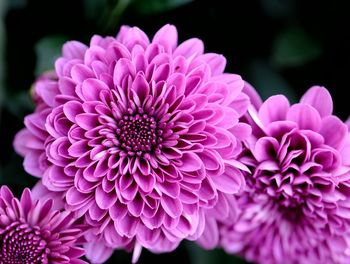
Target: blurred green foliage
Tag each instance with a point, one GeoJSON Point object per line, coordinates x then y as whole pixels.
{"type": "Point", "coordinates": [294, 47]}
{"type": "Point", "coordinates": [149, 7]}
{"type": "Point", "coordinates": [47, 50]}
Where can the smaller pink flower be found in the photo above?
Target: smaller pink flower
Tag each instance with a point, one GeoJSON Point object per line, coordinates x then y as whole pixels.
{"type": "Point", "coordinates": [296, 206]}
{"type": "Point", "coordinates": [32, 232]}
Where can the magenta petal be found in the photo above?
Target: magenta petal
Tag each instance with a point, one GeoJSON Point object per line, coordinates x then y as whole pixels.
{"type": "Point", "coordinates": [190, 162]}
{"type": "Point", "coordinates": [105, 200]}
{"type": "Point", "coordinates": [123, 69]}
{"type": "Point", "coordinates": [91, 89]}
{"type": "Point", "coordinates": [26, 201]}
{"type": "Point", "coordinates": [273, 109]}
{"type": "Point", "coordinates": [266, 148]}
{"type": "Point", "coordinates": [253, 95]}
{"type": "Point", "coordinates": [71, 109]}
{"type": "Point", "coordinates": [172, 189]}
{"type": "Point", "coordinates": [75, 197]}
{"type": "Point", "coordinates": [97, 252]}
{"type": "Point", "coordinates": [141, 87]}
{"type": "Point", "coordinates": [87, 121]}
{"type": "Point", "coordinates": [25, 141]}
{"type": "Point", "coordinates": [145, 182]}
{"type": "Point", "coordinates": [172, 207]}
{"type": "Point", "coordinates": [210, 159]}
{"type": "Point", "coordinates": [210, 238]}
{"type": "Point", "coordinates": [216, 62]}
{"type": "Point", "coordinates": [334, 131]}
{"type": "Point", "coordinates": [127, 225]}
{"type": "Point", "coordinates": [74, 50]}
{"type": "Point", "coordinates": [136, 206]}
{"type": "Point", "coordinates": [230, 181]}
{"type": "Point", "coordinates": [305, 116]}
{"type": "Point", "coordinates": [320, 99]}
{"type": "Point", "coordinates": [78, 148]}
{"type": "Point", "coordinates": [166, 36]}
{"type": "Point", "coordinates": [81, 72]}
{"type": "Point", "coordinates": [189, 48]}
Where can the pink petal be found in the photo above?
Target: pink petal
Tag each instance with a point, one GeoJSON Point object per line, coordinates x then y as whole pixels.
{"type": "Point", "coordinates": [71, 109]}
{"type": "Point", "coordinates": [136, 206]}
{"type": "Point", "coordinates": [123, 68]}
{"type": "Point", "coordinates": [191, 47]}
{"type": "Point", "coordinates": [141, 87]}
{"type": "Point", "coordinates": [210, 159]}
{"type": "Point", "coordinates": [320, 99]}
{"type": "Point", "coordinates": [265, 149]}
{"type": "Point", "coordinates": [305, 116]}
{"type": "Point", "coordinates": [273, 109]}
{"type": "Point", "coordinates": [210, 238]}
{"type": "Point", "coordinates": [97, 252]}
{"type": "Point", "coordinates": [87, 121]}
{"type": "Point", "coordinates": [91, 89]}
{"type": "Point", "coordinates": [216, 62]}
{"type": "Point", "coordinates": [145, 182]}
{"type": "Point", "coordinates": [172, 189]}
{"type": "Point", "coordinates": [253, 95]}
{"type": "Point", "coordinates": [105, 200]}
{"type": "Point", "coordinates": [173, 207]}
{"type": "Point", "coordinates": [230, 181]}
{"type": "Point", "coordinates": [334, 131]}
{"type": "Point", "coordinates": [81, 72]}
{"type": "Point", "coordinates": [167, 37]}
{"type": "Point", "coordinates": [74, 50]}
{"type": "Point", "coordinates": [127, 226]}
{"type": "Point", "coordinates": [74, 197]}
{"type": "Point", "coordinates": [190, 162]}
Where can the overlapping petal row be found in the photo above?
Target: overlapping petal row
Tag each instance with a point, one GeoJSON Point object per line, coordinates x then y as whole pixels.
{"type": "Point", "coordinates": [31, 231]}
{"type": "Point", "coordinates": [140, 137]}
{"type": "Point", "coordinates": [296, 206]}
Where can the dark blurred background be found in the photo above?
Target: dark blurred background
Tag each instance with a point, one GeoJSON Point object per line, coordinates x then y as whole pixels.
{"type": "Point", "coordinates": [279, 46]}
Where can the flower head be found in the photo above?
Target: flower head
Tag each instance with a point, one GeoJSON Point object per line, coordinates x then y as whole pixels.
{"type": "Point", "coordinates": [138, 135]}
{"type": "Point", "coordinates": [32, 232]}
{"type": "Point", "coordinates": [296, 205]}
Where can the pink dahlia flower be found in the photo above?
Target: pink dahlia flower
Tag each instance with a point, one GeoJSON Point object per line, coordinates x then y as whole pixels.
{"type": "Point", "coordinates": [32, 232]}
{"type": "Point", "coordinates": [296, 207]}
{"type": "Point", "coordinates": [137, 135]}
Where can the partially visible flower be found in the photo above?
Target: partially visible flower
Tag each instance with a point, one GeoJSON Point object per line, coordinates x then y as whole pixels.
{"type": "Point", "coordinates": [296, 207]}
{"type": "Point", "coordinates": [31, 232]}
{"type": "Point", "coordinates": [138, 136]}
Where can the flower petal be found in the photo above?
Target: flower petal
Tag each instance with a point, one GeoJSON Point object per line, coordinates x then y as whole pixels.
{"type": "Point", "coordinates": [320, 99]}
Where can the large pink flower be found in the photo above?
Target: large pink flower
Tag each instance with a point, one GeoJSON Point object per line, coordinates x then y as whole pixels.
{"type": "Point", "coordinates": [137, 135]}
{"type": "Point", "coordinates": [31, 231]}
{"type": "Point", "coordinates": [296, 207]}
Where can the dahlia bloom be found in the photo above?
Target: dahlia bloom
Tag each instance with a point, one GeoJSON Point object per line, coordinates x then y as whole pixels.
{"type": "Point", "coordinates": [296, 206]}
{"type": "Point", "coordinates": [137, 135]}
{"type": "Point", "coordinates": [31, 232]}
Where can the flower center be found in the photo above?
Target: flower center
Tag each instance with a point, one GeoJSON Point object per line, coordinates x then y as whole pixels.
{"type": "Point", "coordinates": [22, 244]}
{"type": "Point", "coordinates": [138, 134]}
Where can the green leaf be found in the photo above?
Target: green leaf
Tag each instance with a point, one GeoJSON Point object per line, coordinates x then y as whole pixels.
{"type": "Point", "coordinates": [47, 50]}
{"type": "Point", "coordinates": [278, 8]}
{"type": "Point", "coordinates": [94, 8]}
{"type": "Point", "coordinates": [201, 256]}
{"type": "Point", "coordinates": [294, 47]}
{"type": "Point", "coordinates": [148, 7]}
{"type": "Point", "coordinates": [18, 104]}
{"type": "Point", "coordinates": [267, 81]}
{"type": "Point", "coordinates": [115, 14]}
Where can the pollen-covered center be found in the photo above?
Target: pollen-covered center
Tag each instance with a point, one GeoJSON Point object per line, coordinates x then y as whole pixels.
{"type": "Point", "coordinates": [138, 134]}
{"type": "Point", "coordinates": [21, 244]}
